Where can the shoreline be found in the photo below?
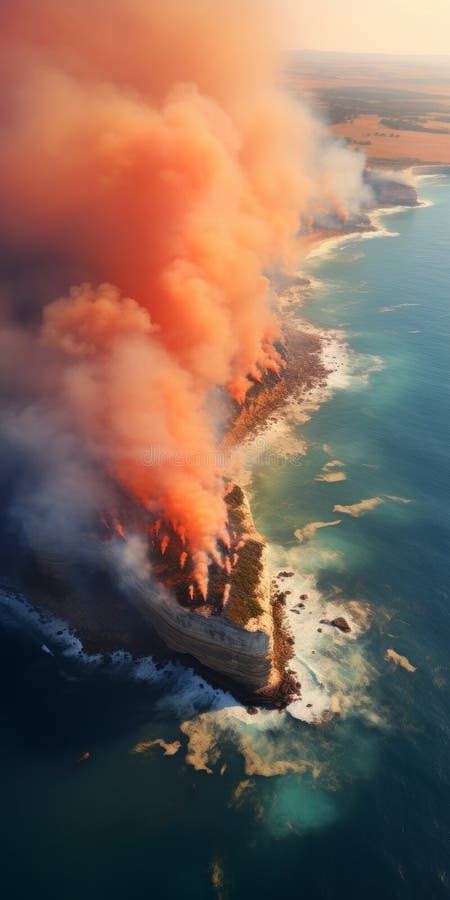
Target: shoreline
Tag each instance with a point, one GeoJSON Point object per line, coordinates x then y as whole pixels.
{"type": "Point", "coordinates": [269, 419]}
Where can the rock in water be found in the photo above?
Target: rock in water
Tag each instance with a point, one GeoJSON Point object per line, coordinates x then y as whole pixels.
{"type": "Point", "coordinates": [341, 623]}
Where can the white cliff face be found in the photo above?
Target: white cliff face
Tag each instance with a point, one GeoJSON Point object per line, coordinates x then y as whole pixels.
{"type": "Point", "coordinates": [237, 642]}
{"type": "Point", "coordinates": [232, 650]}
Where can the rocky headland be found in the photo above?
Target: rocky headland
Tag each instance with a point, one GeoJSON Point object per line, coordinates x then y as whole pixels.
{"type": "Point", "coordinates": [237, 635]}
{"type": "Point", "coordinates": [243, 640]}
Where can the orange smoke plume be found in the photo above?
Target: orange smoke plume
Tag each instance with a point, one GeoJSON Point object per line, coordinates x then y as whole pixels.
{"type": "Point", "coordinates": [146, 150]}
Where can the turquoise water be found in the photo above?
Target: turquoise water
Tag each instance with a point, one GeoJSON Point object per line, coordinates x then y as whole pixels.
{"type": "Point", "coordinates": [360, 804]}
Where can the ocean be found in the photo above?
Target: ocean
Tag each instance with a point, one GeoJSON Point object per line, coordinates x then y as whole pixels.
{"type": "Point", "coordinates": [343, 798]}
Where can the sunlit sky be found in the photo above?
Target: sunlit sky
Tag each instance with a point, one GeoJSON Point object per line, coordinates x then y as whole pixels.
{"type": "Point", "coordinates": [387, 26]}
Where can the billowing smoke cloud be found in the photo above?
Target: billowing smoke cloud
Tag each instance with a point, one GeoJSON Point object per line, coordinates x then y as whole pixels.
{"type": "Point", "coordinates": [148, 158]}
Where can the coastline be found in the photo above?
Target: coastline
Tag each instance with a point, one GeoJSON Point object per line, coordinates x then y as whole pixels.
{"type": "Point", "coordinates": [320, 363]}
{"type": "Point", "coordinates": [320, 697]}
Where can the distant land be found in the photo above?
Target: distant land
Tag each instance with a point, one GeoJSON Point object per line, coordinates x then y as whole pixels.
{"type": "Point", "coordinates": [395, 109]}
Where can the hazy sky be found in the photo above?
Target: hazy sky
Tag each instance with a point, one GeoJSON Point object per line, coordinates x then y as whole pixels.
{"type": "Point", "coordinates": [390, 26]}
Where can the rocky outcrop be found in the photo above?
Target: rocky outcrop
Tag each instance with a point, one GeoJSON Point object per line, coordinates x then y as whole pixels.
{"type": "Point", "coordinates": [390, 190]}
{"type": "Point", "coordinates": [233, 636]}
{"type": "Point", "coordinates": [242, 655]}
{"type": "Point", "coordinates": [236, 641]}
{"type": "Point", "coordinates": [342, 624]}
{"type": "Point", "coordinates": [385, 190]}
{"type": "Point", "coordinates": [339, 623]}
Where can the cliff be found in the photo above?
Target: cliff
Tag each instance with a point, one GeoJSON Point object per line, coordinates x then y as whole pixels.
{"type": "Point", "coordinates": [241, 654]}
{"type": "Point", "coordinates": [236, 641]}
{"type": "Point", "coordinates": [236, 634]}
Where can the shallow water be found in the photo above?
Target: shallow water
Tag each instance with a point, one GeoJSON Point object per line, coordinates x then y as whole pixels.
{"type": "Point", "coordinates": [356, 806]}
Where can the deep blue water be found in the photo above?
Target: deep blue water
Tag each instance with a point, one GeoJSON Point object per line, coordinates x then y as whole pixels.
{"type": "Point", "coordinates": [369, 815]}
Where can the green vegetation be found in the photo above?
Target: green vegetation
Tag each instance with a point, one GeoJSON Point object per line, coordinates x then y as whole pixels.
{"type": "Point", "coordinates": [344, 104]}
{"type": "Point", "coordinates": [242, 603]}
{"type": "Point", "coordinates": [235, 503]}
{"type": "Point", "coordinates": [413, 124]}
{"type": "Point", "coordinates": [235, 497]}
